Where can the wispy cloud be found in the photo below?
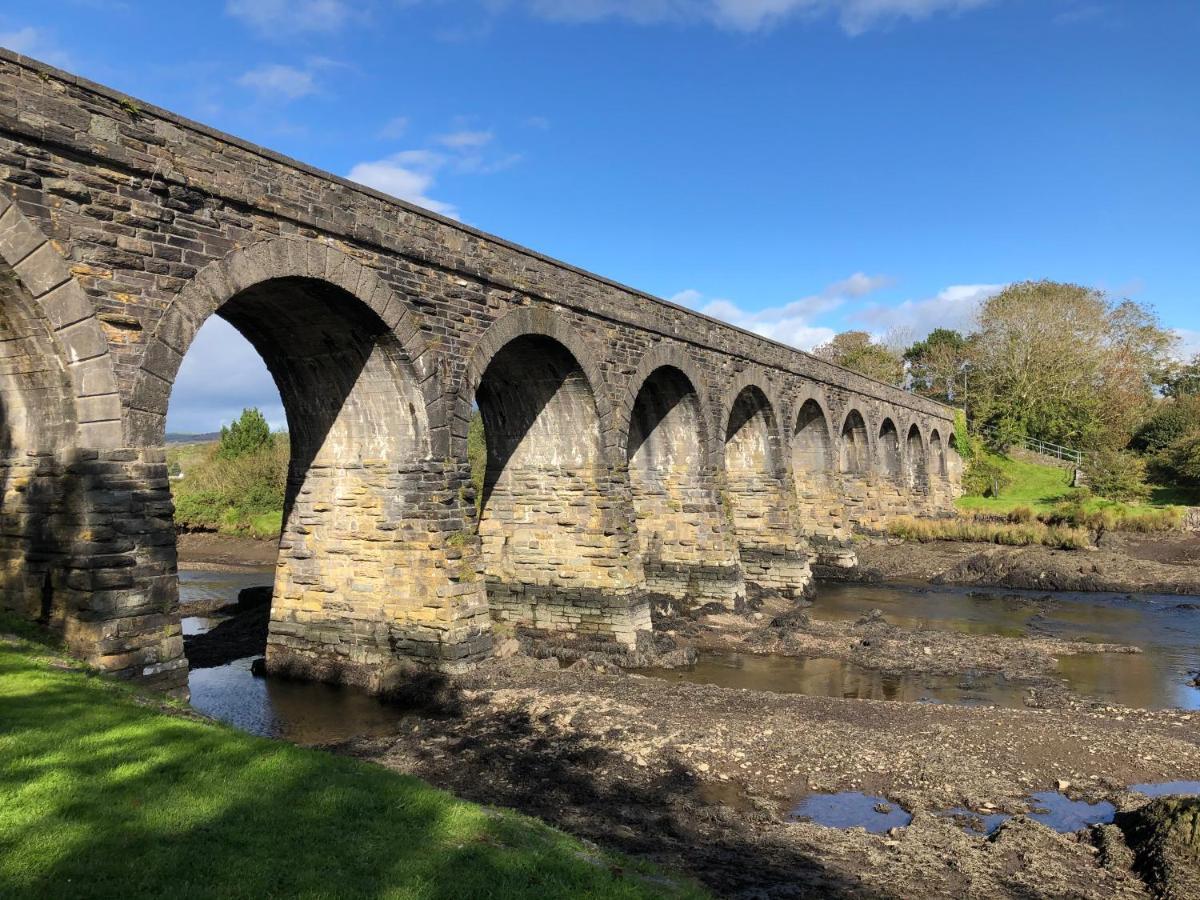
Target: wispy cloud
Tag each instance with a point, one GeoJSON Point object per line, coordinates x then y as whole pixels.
{"type": "Point", "coordinates": [35, 42]}
{"type": "Point", "coordinates": [409, 175]}
{"type": "Point", "coordinates": [282, 17]}
{"type": "Point", "coordinates": [394, 128]}
{"type": "Point", "coordinates": [279, 82]}
{"type": "Point", "coordinates": [1188, 347]}
{"type": "Point", "coordinates": [465, 139]}
{"type": "Point", "coordinates": [954, 307]}
{"type": "Point", "coordinates": [854, 16]}
{"type": "Point", "coordinates": [794, 322]}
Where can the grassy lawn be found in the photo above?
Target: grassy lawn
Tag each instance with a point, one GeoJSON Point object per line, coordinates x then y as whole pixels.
{"type": "Point", "coordinates": [103, 794]}
{"type": "Point", "coordinates": [1041, 488]}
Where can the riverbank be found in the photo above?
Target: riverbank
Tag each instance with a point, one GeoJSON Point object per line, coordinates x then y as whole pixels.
{"type": "Point", "coordinates": [1162, 563]}
{"type": "Point", "coordinates": [210, 550]}
{"type": "Point", "coordinates": [107, 792]}
{"type": "Point", "coordinates": [701, 778]}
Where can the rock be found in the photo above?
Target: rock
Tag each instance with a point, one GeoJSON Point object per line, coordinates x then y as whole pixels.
{"type": "Point", "coordinates": [1164, 836]}
{"type": "Point", "coordinates": [254, 597]}
{"type": "Point", "coordinates": [507, 649]}
{"type": "Point", "coordinates": [1062, 785]}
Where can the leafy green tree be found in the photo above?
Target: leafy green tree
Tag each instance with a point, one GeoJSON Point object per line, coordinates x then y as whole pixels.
{"type": "Point", "coordinates": [1062, 363]}
{"type": "Point", "coordinates": [858, 351]}
{"type": "Point", "coordinates": [1115, 475]}
{"type": "Point", "coordinates": [247, 435]}
{"type": "Point", "coordinates": [1170, 421]}
{"type": "Point", "coordinates": [938, 366]}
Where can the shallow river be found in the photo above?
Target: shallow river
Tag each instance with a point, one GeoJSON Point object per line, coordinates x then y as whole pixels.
{"type": "Point", "coordinates": [1164, 627]}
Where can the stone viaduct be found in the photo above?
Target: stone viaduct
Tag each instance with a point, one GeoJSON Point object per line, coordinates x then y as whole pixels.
{"type": "Point", "coordinates": [633, 446]}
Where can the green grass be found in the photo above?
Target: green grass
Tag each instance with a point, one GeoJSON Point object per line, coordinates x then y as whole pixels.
{"type": "Point", "coordinates": [1044, 488]}
{"type": "Point", "coordinates": [103, 794]}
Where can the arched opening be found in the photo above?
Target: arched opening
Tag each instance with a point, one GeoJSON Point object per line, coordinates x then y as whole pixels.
{"type": "Point", "coordinates": [553, 554]}
{"type": "Point", "coordinates": [855, 454]}
{"type": "Point", "coordinates": [37, 422]}
{"type": "Point", "coordinates": [917, 463]}
{"type": "Point", "coordinates": [937, 455]}
{"type": "Point", "coordinates": [757, 500]}
{"type": "Point", "coordinates": [889, 450]}
{"type": "Point", "coordinates": [676, 509]}
{"type": "Point", "coordinates": [812, 451]}
{"type": "Point", "coordinates": [352, 579]}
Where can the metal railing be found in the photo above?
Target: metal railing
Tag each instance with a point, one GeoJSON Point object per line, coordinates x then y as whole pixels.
{"type": "Point", "coordinates": [1045, 448]}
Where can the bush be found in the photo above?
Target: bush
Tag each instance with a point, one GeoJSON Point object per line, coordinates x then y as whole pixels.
{"type": "Point", "coordinates": [1171, 422]}
{"type": "Point", "coordinates": [1021, 515]}
{"type": "Point", "coordinates": [242, 495]}
{"type": "Point", "coordinates": [1115, 475]}
{"type": "Point", "coordinates": [1179, 464]}
{"type": "Point", "coordinates": [247, 435]}
{"type": "Point", "coordinates": [985, 477]}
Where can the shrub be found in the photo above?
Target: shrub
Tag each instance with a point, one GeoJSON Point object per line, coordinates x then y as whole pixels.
{"type": "Point", "coordinates": [1116, 475]}
{"type": "Point", "coordinates": [984, 477]}
{"type": "Point", "coordinates": [1179, 464]}
{"type": "Point", "coordinates": [1021, 515]}
{"type": "Point", "coordinates": [1171, 422]}
{"type": "Point", "coordinates": [977, 530]}
{"type": "Point", "coordinates": [247, 435]}
{"type": "Point", "coordinates": [244, 494]}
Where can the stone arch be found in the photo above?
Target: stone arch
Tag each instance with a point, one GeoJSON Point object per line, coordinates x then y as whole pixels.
{"type": "Point", "coordinates": [677, 510]}
{"type": "Point", "coordinates": [280, 260]}
{"type": "Point", "coordinates": [557, 551]}
{"type": "Point", "coordinates": [813, 445]}
{"type": "Point", "coordinates": [659, 356]}
{"type": "Point", "coordinates": [937, 454]}
{"type": "Point", "coordinates": [916, 459]}
{"type": "Point", "coordinates": [68, 332]}
{"type": "Point", "coordinates": [887, 450]}
{"type": "Point", "coordinates": [535, 322]}
{"type": "Point", "coordinates": [362, 577]}
{"type": "Point", "coordinates": [854, 452]}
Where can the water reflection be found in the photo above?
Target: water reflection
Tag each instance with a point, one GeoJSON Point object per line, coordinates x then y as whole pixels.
{"type": "Point", "coordinates": [301, 712]}
{"type": "Point", "coordinates": [223, 585]}
{"type": "Point", "coordinates": [1167, 629]}
{"type": "Point", "coordinates": [836, 678]}
{"type": "Point", "coordinates": [851, 809]}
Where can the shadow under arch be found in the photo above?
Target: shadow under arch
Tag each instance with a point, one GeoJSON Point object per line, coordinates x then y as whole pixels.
{"type": "Point", "coordinates": [759, 507]}
{"type": "Point", "coordinates": [685, 552]}
{"type": "Point", "coordinates": [362, 582]}
{"type": "Point", "coordinates": [854, 452]}
{"type": "Point", "coordinates": [937, 454]}
{"type": "Point", "coordinates": [888, 450]}
{"type": "Point", "coordinates": [554, 555]}
{"type": "Point", "coordinates": [916, 460]}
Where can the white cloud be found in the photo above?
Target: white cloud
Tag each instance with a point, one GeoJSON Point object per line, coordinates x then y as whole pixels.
{"type": "Point", "coordinates": [289, 16]}
{"type": "Point", "coordinates": [279, 82]}
{"type": "Point", "coordinates": [954, 307]}
{"type": "Point", "coordinates": [1189, 344]}
{"type": "Point", "coordinates": [220, 376]}
{"type": "Point", "coordinates": [408, 175]}
{"type": "Point", "coordinates": [792, 323]}
{"type": "Point", "coordinates": [394, 128]}
{"type": "Point", "coordinates": [854, 16]}
{"type": "Point", "coordinates": [35, 42]}
{"type": "Point", "coordinates": [465, 140]}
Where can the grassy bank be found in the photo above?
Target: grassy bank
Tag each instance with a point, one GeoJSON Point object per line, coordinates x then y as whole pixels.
{"type": "Point", "coordinates": [102, 794]}
{"type": "Point", "coordinates": [1047, 489]}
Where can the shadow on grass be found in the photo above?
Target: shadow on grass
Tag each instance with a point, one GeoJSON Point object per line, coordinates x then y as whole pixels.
{"type": "Point", "coordinates": [103, 797]}
{"type": "Point", "coordinates": [561, 776]}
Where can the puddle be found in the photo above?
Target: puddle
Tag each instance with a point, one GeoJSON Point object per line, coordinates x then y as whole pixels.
{"type": "Point", "coordinates": [1064, 814]}
{"type": "Point", "coordinates": [193, 625]}
{"type": "Point", "coordinates": [1168, 789]}
{"type": "Point", "coordinates": [851, 809]}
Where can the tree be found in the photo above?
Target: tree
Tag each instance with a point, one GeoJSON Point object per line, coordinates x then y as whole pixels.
{"type": "Point", "coordinates": [1062, 363]}
{"type": "Point", "coordinates": [858, 351]}
{"type": "Point", "coordinates": [938, 366]}
{"type": "Point", "coordinates": [1182, 379]}
{"type": "Point", "coordinates": [248, 434]}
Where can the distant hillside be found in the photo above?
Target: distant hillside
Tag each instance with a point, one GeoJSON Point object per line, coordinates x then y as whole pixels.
{"type": "Point", "coordinates": [174, 437]}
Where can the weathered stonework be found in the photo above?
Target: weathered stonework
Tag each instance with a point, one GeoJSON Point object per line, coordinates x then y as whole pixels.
{"type": "Point", "coordinates": [615, 467]}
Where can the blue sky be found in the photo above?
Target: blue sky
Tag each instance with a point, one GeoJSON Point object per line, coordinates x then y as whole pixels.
{"type": "Point", "coordinates": [794, 166]}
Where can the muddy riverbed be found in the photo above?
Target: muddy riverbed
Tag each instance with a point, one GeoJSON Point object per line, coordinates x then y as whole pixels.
{"type": "Point", "coordinates": [704, 767]}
